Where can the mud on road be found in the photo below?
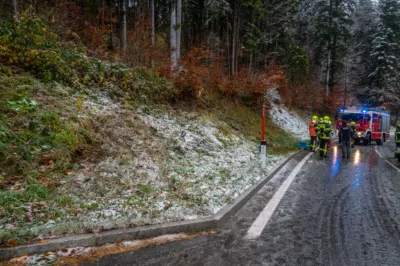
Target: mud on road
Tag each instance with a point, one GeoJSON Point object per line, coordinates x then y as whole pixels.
{"type": "Point", "coordinates": [336, 212]}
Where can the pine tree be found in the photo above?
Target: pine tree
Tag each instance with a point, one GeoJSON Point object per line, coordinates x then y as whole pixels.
{"type": "Point", "coordinates": [383, 67]}
{"type": "Point", "coordinates": [364, 29]}
{"type": "Point", "coordinates": [390, 19]}
{"type": "Point", "coordinates": [331, 37]}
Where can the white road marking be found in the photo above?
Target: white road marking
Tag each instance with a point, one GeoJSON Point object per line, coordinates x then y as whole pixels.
{"type": "Point", "coordinates": [258, 226]}
{"type": "Point", "coordinates": [389, 163]}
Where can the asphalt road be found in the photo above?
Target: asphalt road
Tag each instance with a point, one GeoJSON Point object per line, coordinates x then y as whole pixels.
{"type": "Point", "coordinates": [336, 212]}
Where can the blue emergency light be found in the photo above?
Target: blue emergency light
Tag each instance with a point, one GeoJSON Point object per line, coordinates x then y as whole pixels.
{"type": "Point", "coordinates": [364, 110]}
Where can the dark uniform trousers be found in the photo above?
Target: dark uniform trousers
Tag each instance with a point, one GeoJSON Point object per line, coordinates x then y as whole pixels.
{"type": "Point", "coordinates": [346, 135]}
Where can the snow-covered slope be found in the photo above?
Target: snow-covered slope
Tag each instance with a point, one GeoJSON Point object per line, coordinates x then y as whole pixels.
{"type": "Point", "coordinates": [157, 165]}
{"type": "Point", "coordinates": [289, 121]}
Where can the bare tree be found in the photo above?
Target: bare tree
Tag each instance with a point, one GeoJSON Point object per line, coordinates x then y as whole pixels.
{"type": "Point", "coordinates": [153, 26]}
{"type": "Point", "coordinates": [235, 35]}
{"type": "Point", "coordinates": [179, 30]}
{"type": "Point", "coordinates": [15, 10]}
{"type": "Point", "coordinates": [123, 26]}
{"type": "Point", "coordinates": [174, 57]}
{"type": "Point", "coordinates": [111, 28]}
{"type": "Point", "coordinates": [103, 4]}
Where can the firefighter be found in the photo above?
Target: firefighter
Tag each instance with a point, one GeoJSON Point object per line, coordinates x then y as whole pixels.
{"type": "Point", "coordinates": [331, 134]}
{"type": "Point", "coordinates": [353, 128]}
{"type": "Point", "coordinates": [325, 135]}
{"type": "Point", "coordinates": [312, 128]}
{"type": "Point", "coordinates": [346, 134]}
{"type": "Point", "coordinates": [320, 126]}
{"type": "Point", "coordinates": [397, 138]}
{"type": "Point", "coordinates": [321, 120]}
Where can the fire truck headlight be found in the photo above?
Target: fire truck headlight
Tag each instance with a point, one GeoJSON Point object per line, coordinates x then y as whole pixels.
{"type": "Point", "coordinates": [359, 134]}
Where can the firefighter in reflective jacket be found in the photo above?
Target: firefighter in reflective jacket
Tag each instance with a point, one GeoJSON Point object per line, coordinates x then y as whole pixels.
{"type": "Point", "coordinates": [325, 135]}
{"type": "Point", "coordinates": [320, 126]}
{"type": "Point", "coordinates": [312, 128]}
{"type": "Point", "coordinates": [397, 137]}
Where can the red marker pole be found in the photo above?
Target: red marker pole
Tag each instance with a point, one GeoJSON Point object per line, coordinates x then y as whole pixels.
{"type": "Point", "coordinates": [263, 146]}
{"type": "Point", "coordinates": [263, 124]}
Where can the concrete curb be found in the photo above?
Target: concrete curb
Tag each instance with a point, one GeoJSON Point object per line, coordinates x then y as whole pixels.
{"type": "Point", "coordinates": [142, 232]}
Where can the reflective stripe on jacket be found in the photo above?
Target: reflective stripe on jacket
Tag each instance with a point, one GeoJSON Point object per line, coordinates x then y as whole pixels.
{"type": "Point", "coordinates": [326, 132]}
{"type": "Point", "coordinates": [320, 128]}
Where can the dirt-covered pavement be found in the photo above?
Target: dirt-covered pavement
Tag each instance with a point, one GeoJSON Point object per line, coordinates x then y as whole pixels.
{"type": "Point", "coordinates": [336, 212]}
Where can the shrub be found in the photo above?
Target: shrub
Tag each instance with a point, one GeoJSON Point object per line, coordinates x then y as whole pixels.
{"type": "Point", "coordinates": [33, 137]}
{"type": "Point", "coordinates": [29, 45]}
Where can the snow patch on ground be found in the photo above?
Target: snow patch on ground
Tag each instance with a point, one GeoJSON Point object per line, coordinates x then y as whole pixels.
{"type": "Point", "coordinates": [67, 252]}
{"type": "Point", "coordinates": [158, 239]}
{"type": "Point", "coordinates": [289, 121]}
{"type": "Point", "coordinates": [213, 167]}
{"type": "Point", "coordinates": [134, 243]}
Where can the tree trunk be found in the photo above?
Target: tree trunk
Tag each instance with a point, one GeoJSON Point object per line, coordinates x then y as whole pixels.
{"type": "Point", "coordinates": [345, 83]}
{"type": "Point", "coordinates": [328, 68]}
{"type": "Point", "coordinates": [123, 26]}
{"type": "Point", "coordinates": [173, 38]}
{"type": "Point", "coordinates": [250, 62]}
{"type": "Point", "coordinates": [333, 64]}
{"type": "Point", "coordinates": [15, 10]}
{"type": "Point", "coordinates": [234, 33]}
{"type": "Point", "coordinates": [179, 30]}
{"type": "Point", "coordinates": [111, 30]}
{"type": "Point", "coordinates": [103, 4]}
{"type": "Point", "coordinates": [153, 31]}
{"type": "Point", "coordinates": [153, 26]}
{"type": "Point", "coordinates": [228, 51]}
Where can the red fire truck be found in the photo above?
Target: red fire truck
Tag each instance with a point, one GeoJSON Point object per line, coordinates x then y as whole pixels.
{"type": "Point", "coordinates": [371, 124]}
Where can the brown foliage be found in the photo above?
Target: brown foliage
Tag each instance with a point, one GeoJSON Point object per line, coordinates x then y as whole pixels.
{"type": "Point", "coordinates": [253, 86]}
{"type": "Point", "coordinates": [195, 73]}
{"type": "Point", "coordinates": [203, 73]}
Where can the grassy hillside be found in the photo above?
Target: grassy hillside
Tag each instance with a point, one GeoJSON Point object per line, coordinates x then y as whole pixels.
{"type": "Point", "coordinates": [64, 113]}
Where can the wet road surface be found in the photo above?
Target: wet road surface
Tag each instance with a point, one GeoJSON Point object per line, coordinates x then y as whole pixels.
{"type": "Point", "coordinates": [336, 212]}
